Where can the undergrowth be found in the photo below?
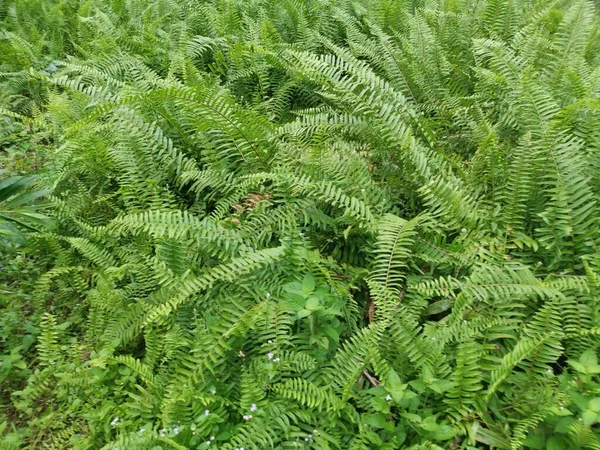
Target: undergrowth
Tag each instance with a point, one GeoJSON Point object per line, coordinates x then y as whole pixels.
{"type": "Point", "coordinates": [366, 224]}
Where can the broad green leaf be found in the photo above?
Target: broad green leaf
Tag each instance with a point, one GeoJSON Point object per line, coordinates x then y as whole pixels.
{"type": "Point", "coordinates": [594, 404]}
{"type": "Point", "coordinates": [589, 358]}
{"type": "Point", "coordinates": [589, 417]}
{"type": "Point", "coordinates": [376, 420]}
{"type": "Point", "coordinates": [557, 443]}
{"type": "Point", "coordinates": [535, 440]}
{"type": "Point", "coordinates": [304, 313]}
{"type": "Point", "coordinates": [444, 433]}
{"type": "Point", "coordinates": [308, 283]}
{"type": "Point", "coordinates": [312, 304]}
{"type": "Point", "coordinates": [412, 417]}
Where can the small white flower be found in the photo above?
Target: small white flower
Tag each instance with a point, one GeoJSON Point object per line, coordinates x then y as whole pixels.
{"type": "Point", "coordinates": [175, 430]}
{"type": "Point", "coordinates": [270, 356]}
{"type": "Point", "coordinates": [268, 294]}
{"type": "Point", "coordinates": [388, 398]}
{"type": "Point", "coordinates": [52, 362]}
{"type": "Point", "coordinates": [306, 439]}
{"type": "Point", "coordinates": [212, 438]}
{"type": "Point", "coordinates": [247, 417]}
{"type": "Point", "coordinates": [269, 341]}
{"type": "Point", "coordinates": [253, 407]}
{"type": "Point", "coordinates": [206, 412]}
{"type": "Point", "coordinates": [142, 430]}
{"type": "Point", "coordinates": [207, 442]}
{"type": "Point", "coordinates": [213, 391]}
{"type": "Point", "coordinates": [114, 422]}
{"type": "Point", "coordinates": [276, 360]}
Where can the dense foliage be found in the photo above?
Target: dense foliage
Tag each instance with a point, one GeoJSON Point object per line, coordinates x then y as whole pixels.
{"type": "Point", "coordinates": [328, 224]}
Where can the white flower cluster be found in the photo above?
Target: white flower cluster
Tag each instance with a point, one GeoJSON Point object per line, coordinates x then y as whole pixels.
{"type": "Point", "coordinates": [253, 408]}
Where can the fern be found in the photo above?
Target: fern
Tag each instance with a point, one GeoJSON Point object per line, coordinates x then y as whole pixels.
{"type": "Point", "coordinates": [299, 224]}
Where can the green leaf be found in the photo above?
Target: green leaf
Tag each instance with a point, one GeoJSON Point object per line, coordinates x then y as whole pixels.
{"type": "Point", "coordinates": [577, 366]}
{"type": "Point", "coordinates": [308, 283]}
{"type": "Point", "coordinates": [11, 186]}
{"type": "Point", "coordinates": [312, 304]}
{"type": "Point", "coordinates": [380, 404]}
{"type": "Point", "coordinates": [393, 380]}
{"type": "Point", "coordinates": [491, 438]}
{"type": "Point", "coordinates": [444, 433]}
{"type": "Point", "coordinates": [589, 358]}
{"type": "Point", "coordinates": [535, 440]}
{"type": "Point", "coordinates": [303, 313]}
{"type": "Point", "coordinates": [294, 288]}
{"type": "Point", "coordinates": [441, 386]}
{"type": "Point", "coordinates": [295, 301]}
{"type": "Point", "coordinates": [418, 385]}
{"type": "Point", "coordinates": [373, 438]}
{"type": "Point", "coordinates": [394, 385]}
{"type": "Point", "coordinates": [439, 307]}
{"type": "Point", "coordinates": [376, 420]}
{"type": "Point", "coordinates": [589, 417]}
{"type": "Point", "coordinates": [411, 417]}
{"type": "Point", "coordinates": [332, 333]}
{"type": "Point", "coordinates": [594, 404]}
{"type": "Point", "coordinates": [429, 424]}
{"type": "Point", "coordinates": [557, 443]}
{"type": "Point", "coordinates": [563, 425]}
{"type": "Point", "coordinates": [20, 364]}
{"type": "Point", "coordinates": [592, 370]}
